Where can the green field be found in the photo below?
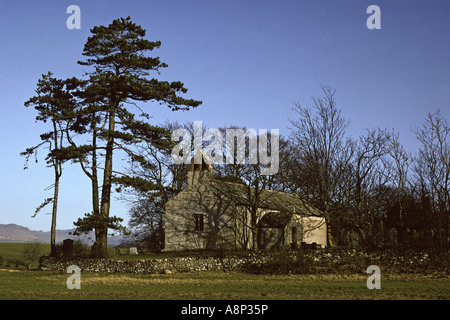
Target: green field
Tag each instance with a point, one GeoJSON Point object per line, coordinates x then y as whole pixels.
{"type": "Point", "coordinates": [20, 283]}
{"type": "Point", "coordinates": [217, 286]}
{"type": "Point", "coordinates": [21, 256]}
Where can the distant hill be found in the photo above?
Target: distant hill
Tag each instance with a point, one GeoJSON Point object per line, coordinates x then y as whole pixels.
{"type": "Point", "coordinates": [16, 233]}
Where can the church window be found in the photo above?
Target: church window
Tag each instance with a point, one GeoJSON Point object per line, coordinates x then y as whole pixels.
{"type": "Point", "coordinates": [198, 222]}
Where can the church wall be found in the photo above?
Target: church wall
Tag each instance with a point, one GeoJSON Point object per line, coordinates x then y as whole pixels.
{"type": "Point", "coordinates": [217, 225]}
{"type": "Point", "coordinates": [314, 230]}
{"type": "Point", "coordinates": [223, 223]}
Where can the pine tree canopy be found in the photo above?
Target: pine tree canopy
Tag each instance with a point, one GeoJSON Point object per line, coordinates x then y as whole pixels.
{"type": "Point", "coordinates": [118, 54]}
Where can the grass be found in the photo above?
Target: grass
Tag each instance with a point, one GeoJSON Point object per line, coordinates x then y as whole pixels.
{"type": "Point", "coordinates": [218, 286]}
{"type": "Point", "coordinates": [13, 256]}
{"type": "Point", "coordinates": [19, 284]}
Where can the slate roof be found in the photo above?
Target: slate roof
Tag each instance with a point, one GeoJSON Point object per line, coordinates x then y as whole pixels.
{"type": "Point", "coordinates": [244, 195]}
{"type": "Point", "coordinates": [280, 201]}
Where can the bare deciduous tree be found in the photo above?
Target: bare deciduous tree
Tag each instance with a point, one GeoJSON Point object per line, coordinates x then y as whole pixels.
{"type": "Point", "coordinates": [398, 166]}
{"type": "Point", "coordinates": [324, 153]}
{"type": "Point", "coordinates": [368, 177]}
{"type": "Point", "coordinates": [433, 170]}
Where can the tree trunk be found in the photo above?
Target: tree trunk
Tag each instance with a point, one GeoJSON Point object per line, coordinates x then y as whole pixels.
{"type": "Point", "coordinates": [329, 233]}
{"type": "Point", "coordinates": [102, 231]}
{"type": "Point", "coordinates": [54, 213]}
{"type": "Point", "coordinates": [94, 178]}
{"type": "Point", "coordinates": [254, 216]}
{"type": "Point", "coordinates": [254, 230]}
{"type": "Point", "coordinates": [95, 194]}
{"type": "Point", "coordinates": [58, 171]}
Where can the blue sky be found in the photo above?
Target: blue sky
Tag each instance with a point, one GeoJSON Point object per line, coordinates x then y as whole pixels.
{"type": "Point", "coordinates": [248, 61]}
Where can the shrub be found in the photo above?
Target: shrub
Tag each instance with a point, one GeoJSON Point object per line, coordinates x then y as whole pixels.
{"type": "Point", "coordinates": [31, 253]}
{"type": "Point", "coordinates": [81, 249]}
{"type": "Point", "coordinates": [283, 262]}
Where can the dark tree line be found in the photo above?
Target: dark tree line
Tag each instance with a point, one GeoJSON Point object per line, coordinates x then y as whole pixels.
{"type": "Point", "coordinates": [368, 185]}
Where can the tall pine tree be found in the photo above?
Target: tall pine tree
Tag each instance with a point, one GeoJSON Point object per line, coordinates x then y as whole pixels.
{"type": "Point", "coordinates": [54, 104]}
{"type": "Point", "coordinates": [120, 79]}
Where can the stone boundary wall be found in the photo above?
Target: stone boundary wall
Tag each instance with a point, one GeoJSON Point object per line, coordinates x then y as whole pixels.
{"type": "Point", "coordinates": [409, 260]}
{"type": "Point", "coordinates": [150, 266]}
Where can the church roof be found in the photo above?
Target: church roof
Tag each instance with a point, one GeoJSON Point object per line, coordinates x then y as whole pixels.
{"type": "Point", "coordinates": [244, 195]}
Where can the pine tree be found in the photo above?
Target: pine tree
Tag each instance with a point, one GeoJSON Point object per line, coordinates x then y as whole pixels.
{"type": "Point", "coordinates": [121, 78]}
{"type": "Point", "coordinates": [54, 103]}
